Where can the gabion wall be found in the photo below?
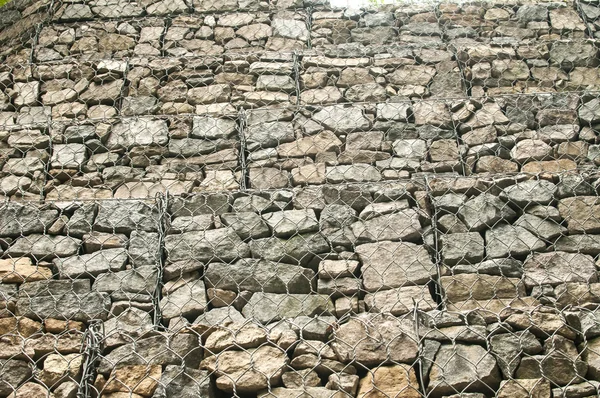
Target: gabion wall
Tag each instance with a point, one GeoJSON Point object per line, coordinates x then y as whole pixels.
{"type": "Point", "coordinates": [281, 199]}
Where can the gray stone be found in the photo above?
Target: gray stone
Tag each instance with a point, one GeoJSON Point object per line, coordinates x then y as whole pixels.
{"type": "Point", "coordinates": [87, 265]}
{"type": "Point", "coordinates": [573, 185]}
{"type": "Point", "coordinates": [44, 246]}
{"type": "Point", "coordinates": [192, 223]}
{"type": "Point", "coordinates": [585, 244]}
{"type": "Point", "coordinates": [557, 368]}
{"type": "Point", "coordinates": [178, 269]}
{"type": "Point", "coordinates": [206, 246]}
{"type": "Point", "coordinates": [143, 248]}
{"type": "Point", "coordinates": [14, 373]}
{"type": "Point", "coordinates": [374, 339]}
{"type": "Point", "coordinates": [292, 222]}
{"type": "Point", "coordinates": [81, 221]}
{"type": "Point", "coordinates": [127, 327]}
{"type": "Point", "coordinates": [462, 248]}
{"type": "Point", "coordinates": [138, 132]}
{"type": "Point", "coordinates": [590, 111]}
{"type": "Point", "coordinates": [508, 349]}
{"type": "Point", "coordinates": [142, 105]}
{"type": "Point", "coordinates": [499, 266]}
{"type": "Point", "coordinates": [403, 225]}
{"type": "Point", "coordinates": [68, 156]}
{"type": "Point", "coordinates": [484, 211]}
{"type": "Point", "coordinates": [569, 55]}
{"type": "Point", "coordinates": [67, 300]}
{"type": "Point", "coordinates": [260, 276]}
{"type": "Point", "coordinates": [542, 228]}
{"type": "Point", "coordinates": [300, 249]}
{"type": "Point", "coordinates": [463, 368]}
{"type": "Point", "coordinates": [352, 173]}
{"type": "Point", "coordinates": [18, 219]}
{"type": "Point", "coordinates": [126, 216]}
{"type": "Point", "coordinates": [179, 349]}
{"type": "Point", "coordinates": [336, 216]}
{"type": "Point", "coordinates": [270, 307]}
{"type": "Point", "coordinates": [211, 128]}
{"type": "Point", "coordinates": [268, 135]}
{"type": "Point", "coordinates": [399, 301]}
{"type": "Point", "coordinates": [248, 225]}
{"type": "Point", "coordinates": [581, 213]}
{"type": "Point", "coordinates": [506, 240]}
{"type": "Point", "coordinates": [290, 28]}
{"type": "Point", "coordinates": [530, 192]}
{"type": "Point", "coordinates": [394, 264]}
{"type": "Point", "coordinates": [342, 119]}
{"type": "Point", "coordinates": [138, 280]}
{"type": "Point", "coordinates": [188, 301]}
{"type": "Point", "coordinates": [556, 268]}
{"type": "Point", "coordinates": [177, 382]}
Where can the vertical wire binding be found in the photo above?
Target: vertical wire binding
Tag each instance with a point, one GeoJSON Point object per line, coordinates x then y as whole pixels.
{"type": "Point", "coordinates": [242, 153]}
{"type": "Point", "coordinates": [419, 363]}
{"type": "Point", "coordinates": [162, 202]}
{"type": "Point", "coordinates": [296, 57]}
{"type": "Point", "coordinates": [438, 261]}
{"type": "Point", "coordinates": [124, 88]}
{"type": "Point", "coordinates": [91, 350]}
{"type": "Point", "coordinates": [309, 11]}
{"type": "Point", "coordinates": [36, 38]}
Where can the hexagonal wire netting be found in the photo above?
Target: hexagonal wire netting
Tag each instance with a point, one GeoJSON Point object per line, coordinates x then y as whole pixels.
{"type": "Point", "coordinates": [218, 198]}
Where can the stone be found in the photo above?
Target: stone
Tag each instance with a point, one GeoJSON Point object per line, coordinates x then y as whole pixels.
{"type": "Point", "coordinates": [138, 132]}
{"type": "Point", "coordinates": [485, 210]}
{"type": "Point", "coordinates": [301, 378]}
{"type": "Point", "coordinates": [524, 388]}
{"type": "Point", "coordinates": [18, 219]}
{"type": "Point", "coordinates": [185, 382]}
{"type": "Point", "coordinates": [91, 264]}
{"type": "Point", "coordinates": [529, 149]}
{"type": "Point", "coordinates": [269, 307]}
{"type": "Point", "coordinates": [269, 134]}
{"type": "Point", "coordinates": [256, 275]}
{"type": "Point", "coordinates": [505, 240]}
{"type": "Point", "coordinates": [247, 371]}
{"type": "Point", "coordinates": [300, 249]}
{"type": "Point", "coordinates": [254, 32]}
{"type": "Point", "coordinates": [127, 327]}
{"type": "Point", "coordinates": [44, 246]}
{"type": "Point", "coordinates": [385, 381]}
{"type": "Point", "coordinates": [125, 217]}
{"type": "Point", "coordinates": [480, 287]}
{"type": "Point", "coordinates": [188, 300]}
{"type": "Point", "coordinates": [542, 228]}
{"type": "Point", "coordinates": [342, 119]}
{"type": "Point", "coordinates": [62, 299]}
{"type": "Point", "coordinates": [68, 156]}
{"type": "Point", "coordinates": [463, 368]}
{"type": "Point", "coordinates": [291, 222]}
{"type": "Point", "coordinates": [236, 336]}
{"type": "Point", "coordinates": [246, 225]}
{"type": "Point", "coordinates": [542, 324]}
{"type": "Point", "coordinates": [290, 28]}
{"type": "Point", "coordinates": [394, 264]}
{"type": "Point", "coordinates": [462, 248]}
{"type": "Point", "coordinates": [508, 349]}
{"type": "Point", "coordinates": [27, 94]}
{"type": "Point", "coordinates": [433, 113]}
{"type": "Point", "coordinates": [556, 268]}
{"type": "Point", "coordinates": [143, 248]}
{"type": "Point", "coordinates": [138, 379]}
{"type": "Point", "coordinates": [400, 301]}
{"type": "Point", "coordinates": [315, 392]}
{"type": "Point", "coordinates": [209, 95]}
{"type": "Point", "coordinates": [555, 367]}
{"type": "Point", "coordinates": [60, 367]}
{"type": "Point", "coordinates": [373, 339]}
{"type": "Point", "coordinates": [582, 214]}
{"type": "Point", "coordinates": [324, 141]}
{"type": "Point", "coordinates": [352, 173]}
{"type": "Point", "coordinates": [530, 192]}
{"type": "Point", "coordinates": [590, 111]}
{"type": "Point", "coordinates": [212, 245]}
{"type": "Point", "coordinates": [403, 225]}
{"type": "Point", "coordinates": [585, 244]}
{"type": "Point", "coordinates": [141, 280]}
{"type": "Point", "coordinates": [31, 389]}
{"type": "Point", "coordinates": [15, 372]}
{"type": "Point", "coordinates": [156, 350]}
{"type": "Point", "coordinates": [22, 270]}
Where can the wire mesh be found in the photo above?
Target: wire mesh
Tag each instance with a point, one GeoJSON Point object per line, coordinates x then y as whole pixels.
{"type": "Point", "coordinates": [283, 199]}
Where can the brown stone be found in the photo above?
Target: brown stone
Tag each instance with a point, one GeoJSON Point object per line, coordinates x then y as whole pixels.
{"type": "Point", "coordinates": [524, 388]}
{"type": "Point", "coordinates": [24, 327]}
{"type": "Point", "coordinates": [57, 326]}
{"type": "Point", "coordinates": [389, 381]}
{"type": "Point", "coordinates": [139, 379]}
{"type": "Point", "coordinates": [22, 270]}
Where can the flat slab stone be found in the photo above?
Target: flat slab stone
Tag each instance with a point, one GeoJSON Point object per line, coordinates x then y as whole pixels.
{"type": "Point", "coordinates": [271, 307]}
{"type": "Point", "coordinates": [556, 268]}
{"type": "Point", "coordinates": [215, 245]}
{"type": "Point", "coordinates": [44, 246]}
{"type": "Point", "coordinates": [91, 264]}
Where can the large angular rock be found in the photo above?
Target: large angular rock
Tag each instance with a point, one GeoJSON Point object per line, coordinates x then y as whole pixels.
{"type": "Point", "coordinates": [300, 249]}
{"type": "Point", "coordinates": [213, 245]}
{"type": "Point", "coordinates": [185, 382]}
{"type": "Point", "coordinates": [373, 339]}
{"type": "Point", "coordinates": [129, 326]}
{"type": "Point", "coordinates": [582, 214]}
{"type": "Point", "coordinates": [387, 265]}
{"type": "Point", "coordinates": [179, 349]}
{"type": "Point", "coordinates": [292, 222]}
{"type": "Point", "coordinates": [143, 248]}
{"type": "Point", "coordinates": [462, 248]}
{"type": "Point", "coordinates": [510, 347]}
{"type": "Point", "coordinates": [528, 193]}
{"type": "Point", "coordinates": [126, 216]}
{"type": "Point", "coordinates": [17, 219]}
{"type": "Point", "coordinates": [268, 134]}
{"type": "Point", "coordinates": [188, 301]}
{"type": "Point", "coordinates": [463, 368]}
{"type": "Point", "coordinates": [247, 224]}
{"type": "Point", "coordinates": [556, 268]}
{"type": "Point", "coordinates": [247, 371]}
{"type": "Point", "coordinates": [484, 211]}
{"type": "Point", "coordinates": [403, 225]}
{"type": "Point", "coordinates": [325, 141]}
{"type": "Point", "coordinates": [396, 380]}
{"type": "Point", "coordinates": [69, 300]}
{"type": "Point", "coordinates": [270, 307]}
{"type": "Point", "coordinates": [140, 280]}
{"type": "Point", "coordinates": [260, 276]}
{"type": "Point", "coordinates": [138, 132]}
{"type": "Point", "coordinates": [543, 228]}
{"type": "Point", "coordinates": [505, 240]}
{"type": "Point", "coordinates": [44, 246]}
{"type": "Point", "coordinates": [87, 265]}
{"type": "Point", "coordinates": [481, 287]}
{"type": "Point", "coordinates": [400, 301]}
{"type": "Point", "coordinates": [212, 128]}
{"type": "Point", "coordinates": [342, 119]}
{"type": "Point", "coordinates": [14, 373]}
